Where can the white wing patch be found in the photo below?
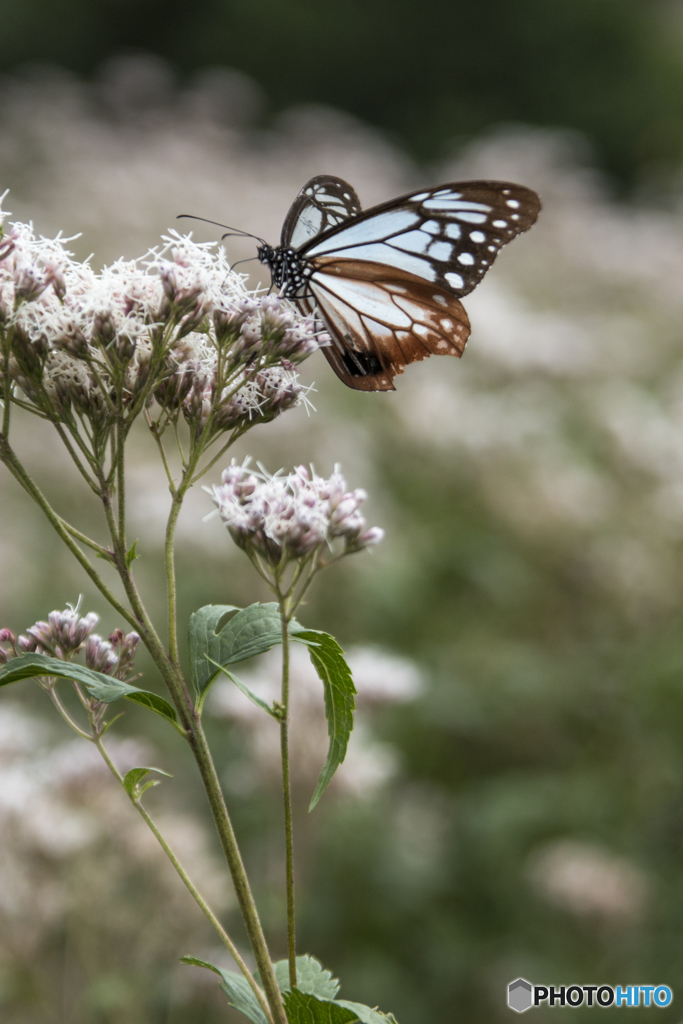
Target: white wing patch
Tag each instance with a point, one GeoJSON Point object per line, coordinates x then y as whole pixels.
{"type": "Point", "coordinates": [389, 256]}
{"type": "Point", "coordinates": [307, 226]}
{"type": "Point", "coordinates": [371, 229]}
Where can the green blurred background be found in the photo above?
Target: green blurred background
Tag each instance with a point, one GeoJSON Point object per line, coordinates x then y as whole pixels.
{"type": "Point", "coordinates": [521, 813]}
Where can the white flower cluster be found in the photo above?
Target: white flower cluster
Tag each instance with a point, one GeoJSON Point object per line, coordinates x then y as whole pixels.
{"type": "Point", "coordinates": [177, 326]}
{"type": "Point", "coordinates": [283, 518]}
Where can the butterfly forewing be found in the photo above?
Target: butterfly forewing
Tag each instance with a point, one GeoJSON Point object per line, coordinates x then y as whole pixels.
{"type": "Point", "coordinates": [449, 235]}
{"type": "Point", "coordinates": [323, 203]}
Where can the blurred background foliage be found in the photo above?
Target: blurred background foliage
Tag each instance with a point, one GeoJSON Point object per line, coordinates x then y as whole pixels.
{"type": "Point", "coordinates": [608, 68]}
{"type": "Point", "coordinates": [514, 806]}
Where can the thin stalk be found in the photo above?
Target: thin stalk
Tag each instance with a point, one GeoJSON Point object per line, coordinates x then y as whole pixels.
{"type": "Point", "coordinates": [169, 560]}
{"type": "Point", "coordinates": [287, 794]}
{"type": "Point", "coordinates": [156, 434]}
{"type": "Point", "coordinates": [84, 539]}
{"type": "Point", "coordinates": [76, 461]}
{"type": "Point", "coordinates": [66, 716]}
{"type": "Point", "coordinates": [7, 384]}
{"type": "Point", "coordinates": [187, 881]}
{"type": "Point", "coordinates": [120, 471]}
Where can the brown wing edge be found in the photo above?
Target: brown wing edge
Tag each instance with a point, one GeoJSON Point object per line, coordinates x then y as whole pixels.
{"type": "Point", "coordinates": [370, 363]}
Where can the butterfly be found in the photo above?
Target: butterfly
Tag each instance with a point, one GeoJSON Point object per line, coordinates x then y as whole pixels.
{"type": "Point", "coordinates": [387, 282]}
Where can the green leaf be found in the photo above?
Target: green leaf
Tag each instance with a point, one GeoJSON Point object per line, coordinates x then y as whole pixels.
{"type": "Point", "coordinates": [133, 778]}
{"type": "Point", "coordinates": [330, 664]}
{"type": "Point", "coordinates": [28, 666]}
{"type": "Point", "coordinates": [311, 978]}
{"type": "Point", "coordinates": [100, 686]}
{"type": "Point", "coordinates": [303, 1008]}
{"type": "Point", "coordinates": [250, 631]}
{"type": "Point", "coordinates": [254, 698]}
{"type": "Point", "coordinates": [159, 705]}
{"type": "Point", "coordinates": [236, 988]}
{"type": "Point", "coordinates": [193, 961]}
{"type": "Point", "coordinates": [132, 554]}
{"type": "Point", "coordinates": [365, 1014]}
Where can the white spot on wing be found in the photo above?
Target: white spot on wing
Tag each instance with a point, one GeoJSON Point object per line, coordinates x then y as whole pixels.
{"type": "Point", "coordinates": [441, 251]}
{"type": "Point", "coordinates": [419, 197]}
{"type": "Point", "coordinates": [453, 231]}
{"type": "Point", "coordinates": [513, 203]}
{"type": "Point", "coordinates": [455, 204]}
{"type": "Point", "coordinates": [466, 258]}
{"type": "Point", "coordinates": [500, 223]}
{"type": "Point", "coordinates": [471, 218]}
{"type": "Point", "coordinates": [477, 236]}
{"type": "Point", "coordinates": [440, 299]}
{"type": "Point", "coordinates": [455, 280]}
{"type": "Point", "coordinates": [413, 241]}
{"type": "Point", "coordinates": [432, 227]}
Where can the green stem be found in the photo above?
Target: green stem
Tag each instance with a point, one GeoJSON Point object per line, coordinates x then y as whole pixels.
{"type": "Point", "coordinates": [287, 794]}
{"type": "Point", "coordinates": [194, 892]}
{"type": "Point", "coordinates": [169, 559]}
{"type": "Point", "coordinates": [120, 472]}
{"type": "Point", "coordinates": [99, 549]}
{"type": "Point", "coordinates": [7, 384]}
{"type": "Point", "coordinates": [65, 714]}
{"type": "Point", "coordinates": [240, 881]}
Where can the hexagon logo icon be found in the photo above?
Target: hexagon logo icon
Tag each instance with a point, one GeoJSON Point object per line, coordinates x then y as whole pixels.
{"type": "Point", "coordinates": [520, 995]}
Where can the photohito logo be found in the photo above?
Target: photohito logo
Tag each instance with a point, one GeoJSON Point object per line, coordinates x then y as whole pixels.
{"type": "Point", "coordinates": [522, 995]}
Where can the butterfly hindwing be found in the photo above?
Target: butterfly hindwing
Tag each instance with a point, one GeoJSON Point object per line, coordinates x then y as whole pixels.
{"type": "Point", "coordinates": [323, 203]}
{"type": "Point", "coordinates": [380, 322]}
{"type": "Point", "coordinates": [449, 235]}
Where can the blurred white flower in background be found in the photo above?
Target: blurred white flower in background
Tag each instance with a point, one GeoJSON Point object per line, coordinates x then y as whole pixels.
{"type": "Point", "coordinates": [589, 881]}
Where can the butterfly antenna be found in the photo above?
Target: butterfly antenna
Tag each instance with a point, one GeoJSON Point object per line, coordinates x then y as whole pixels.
{"type": "Point", "coordinates": [236, 231]}
{"type": "Point", "coordinates": [242, 261]}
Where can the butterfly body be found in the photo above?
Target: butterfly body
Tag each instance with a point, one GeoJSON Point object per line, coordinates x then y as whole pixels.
{"type": "Point", "coordinates": [386, 282]}
{"type": "Point", "coordinates": [290, 273]}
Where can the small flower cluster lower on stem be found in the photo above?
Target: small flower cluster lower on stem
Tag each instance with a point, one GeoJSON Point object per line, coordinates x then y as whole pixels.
{"type": "Point", "coordinates": [67, 633]}
{"type": "Point", "coordinates": [285, 518]}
